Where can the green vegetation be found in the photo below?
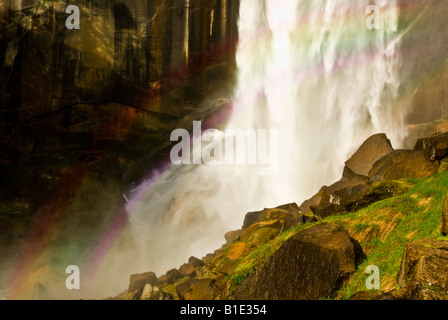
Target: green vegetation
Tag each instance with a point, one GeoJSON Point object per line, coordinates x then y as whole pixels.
{"type": "Point", "coordinates": [411, 216]}
{"type": "Point", "coordinates": [382, 229]}
{"type": "Point", "coordinates": [171, 288]}
{"type": "Point", "coordinates": [257, 257]}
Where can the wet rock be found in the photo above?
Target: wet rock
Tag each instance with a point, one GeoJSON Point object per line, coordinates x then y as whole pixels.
{"type": "Point", "coordinates": [202, 290]}
{"type": "Point", "coordinates": [282, 218]}
{"type": "Point", "coordinates": [434, 147]}
{"type": "Point", "coordinates": [327, 209]}
{"type": "Point", "coordinates": [262, 236]}
{"type": "Point", "coordinates": [443, 166]}
{"type": "Point", "coordinates": [187, 269]}
{"type": "Point", "coordinates": [173, 275]}
{"type": "Point", "coordinates": [379, 191]}
{"type": "Point", "coordinates": [340, 197]}
{"type": "Point", "coordinates": [423, 273]}
{"type": "Point", "coordinates": [312, 264]}
{"type": "Point", "coordinates": [372, 150]}
{"type": "Point", "coordinates": [285, 212]}
{"type": "Point", "coordinates": [417, 131]}
{"type": "Point", "coordinates": [228, 266]}
{"type": "Point", "coordinates": [138, 281]}
{"type": "Point", "coordinates": [166, 296]}
{"type": "Point", "coordinates": [236, 250]}
{"type": "Point", "coordinates": [314, 201]}
{"type": "Point", "coordinates": [182, 289]}
{"type": "Point", "coordinates": [276, 224]}
{"type": "Point", "coordinates": [162, 279]}
{"type": "Point", "coordinates": [196, 262]}
{"type": "Point", "coordinates": [233, 235]}
{"type": "Point", "coordinates": [402, 164]}
{"type": "Point", "coordinates": [151, 293]}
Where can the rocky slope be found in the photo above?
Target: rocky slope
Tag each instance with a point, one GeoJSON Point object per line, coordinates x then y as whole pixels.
{"type": "Point", "coordinates": [389, 210]}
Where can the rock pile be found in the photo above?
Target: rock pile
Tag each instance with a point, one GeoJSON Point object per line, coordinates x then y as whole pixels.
{"type": "Point", "coordinates": [311, 259]}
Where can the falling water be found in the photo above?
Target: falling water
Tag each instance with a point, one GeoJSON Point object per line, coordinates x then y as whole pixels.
{"type": "Point", "coordinates": [312, 71]}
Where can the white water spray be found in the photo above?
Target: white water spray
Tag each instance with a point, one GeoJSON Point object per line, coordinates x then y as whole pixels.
{"type": "Point", "coordinates": [312, 71]}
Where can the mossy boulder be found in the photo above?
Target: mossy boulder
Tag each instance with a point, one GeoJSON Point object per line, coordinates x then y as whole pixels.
{"type": "Point", "coordinates": [423, 273]}
{"type": "Point", "coordinates": [312, 264]}
{"type": "Point", "coordinates": [402, 164]}
{"type": "Point", "coordinates": [372, 150]}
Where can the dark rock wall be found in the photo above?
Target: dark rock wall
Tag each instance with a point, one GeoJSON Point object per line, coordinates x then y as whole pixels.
{"type": "Point", "coordinates": [125, 52]}
{"type": "Point", "coordinates": [98, 103]}
{"type": "Point", "coordinates": [424, 55]}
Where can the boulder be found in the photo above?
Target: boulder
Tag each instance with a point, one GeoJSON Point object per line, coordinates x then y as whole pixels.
{"type": "Point", "coordinates": [228, 266]}
{"type": "Point", "coordinates": [166, 295]}
{"type": "Point", "coordinates": [402, 164]}
{"type": "Point", "coordinates": [196, 262]}
{"type": "Point", "coordinates": [340, 197]}
{"type": "Point", "coordinates": [372, 150]}
{"type": "Point", "coordinates": [276, 224]}
{"type": "Point", "coordinates": [418, 131]}
{"type": "Point", "coordinates": [314, 263]}
{"type": "Point", "coordinates": [261, 236]}
{"type": "Point", "coordinates": [445, 218]}
{"type": "Point", "coordinates": [434, 147]}
{"type": "Point", "coordinates": [288, 212]}
{"type": "Point", "coordinates": [423, 272]}
{"type": "Point", "coordinates": [173, 275]}
{"type": "Point", "coordinates": [138, 281]}
{"type": "Point", "coordinates": [233, 235]}
{"type": "Point", "coordinates": [201, 290]}
{"type": "Point", "coordinates": [327, 209]}
{"type": "Point", "coordinates": [443, 166]}
{"type": "Point", "coordinates": [314, 201]}
{"type": "Point", "coordinates": [162, 279]}
{"type": "Point", "coordinates": [236, 250]}
{"type": "Point", "coordinates": [187, 269]}
{"type": "Point", "coordinates": [379, 191]}
{"type": "Point", "coordinates": [151, 292]}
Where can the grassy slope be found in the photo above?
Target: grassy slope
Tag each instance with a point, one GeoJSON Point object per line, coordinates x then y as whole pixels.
{"type": "Point", "coordinates": [382, 230]}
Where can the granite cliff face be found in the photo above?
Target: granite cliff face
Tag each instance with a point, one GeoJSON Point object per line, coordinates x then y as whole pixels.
{"type": "Point", "coordinates": [85, 114]}
{"type": "Point", "coordinates": [127, 52]}
{"type": "Point", "coordinates": [424, 70]}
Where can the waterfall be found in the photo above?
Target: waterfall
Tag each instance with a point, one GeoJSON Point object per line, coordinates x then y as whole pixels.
{"type": "Point", "coordinates": [314, 71]}
{"type": "Point", "coordinates": [310, 70]}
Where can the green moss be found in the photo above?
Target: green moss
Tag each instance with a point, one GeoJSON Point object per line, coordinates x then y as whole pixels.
{"type": "Point", "coordinates": [413, 222]}
{"type": "Point", "coordinates": [395, 187]}
{"type": "Point", "coordinates": [171, 288]}
{"type": "Point", "coordinates": [360, 226]}
{"type": "Point", "coordinates": [403, 217]}
{"type": "Point", "coordinates": [434, 288]}
{"type": "Point", "coordinates": [239, 279]}
{"type": "Point", "coordinates": [257, 257]}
